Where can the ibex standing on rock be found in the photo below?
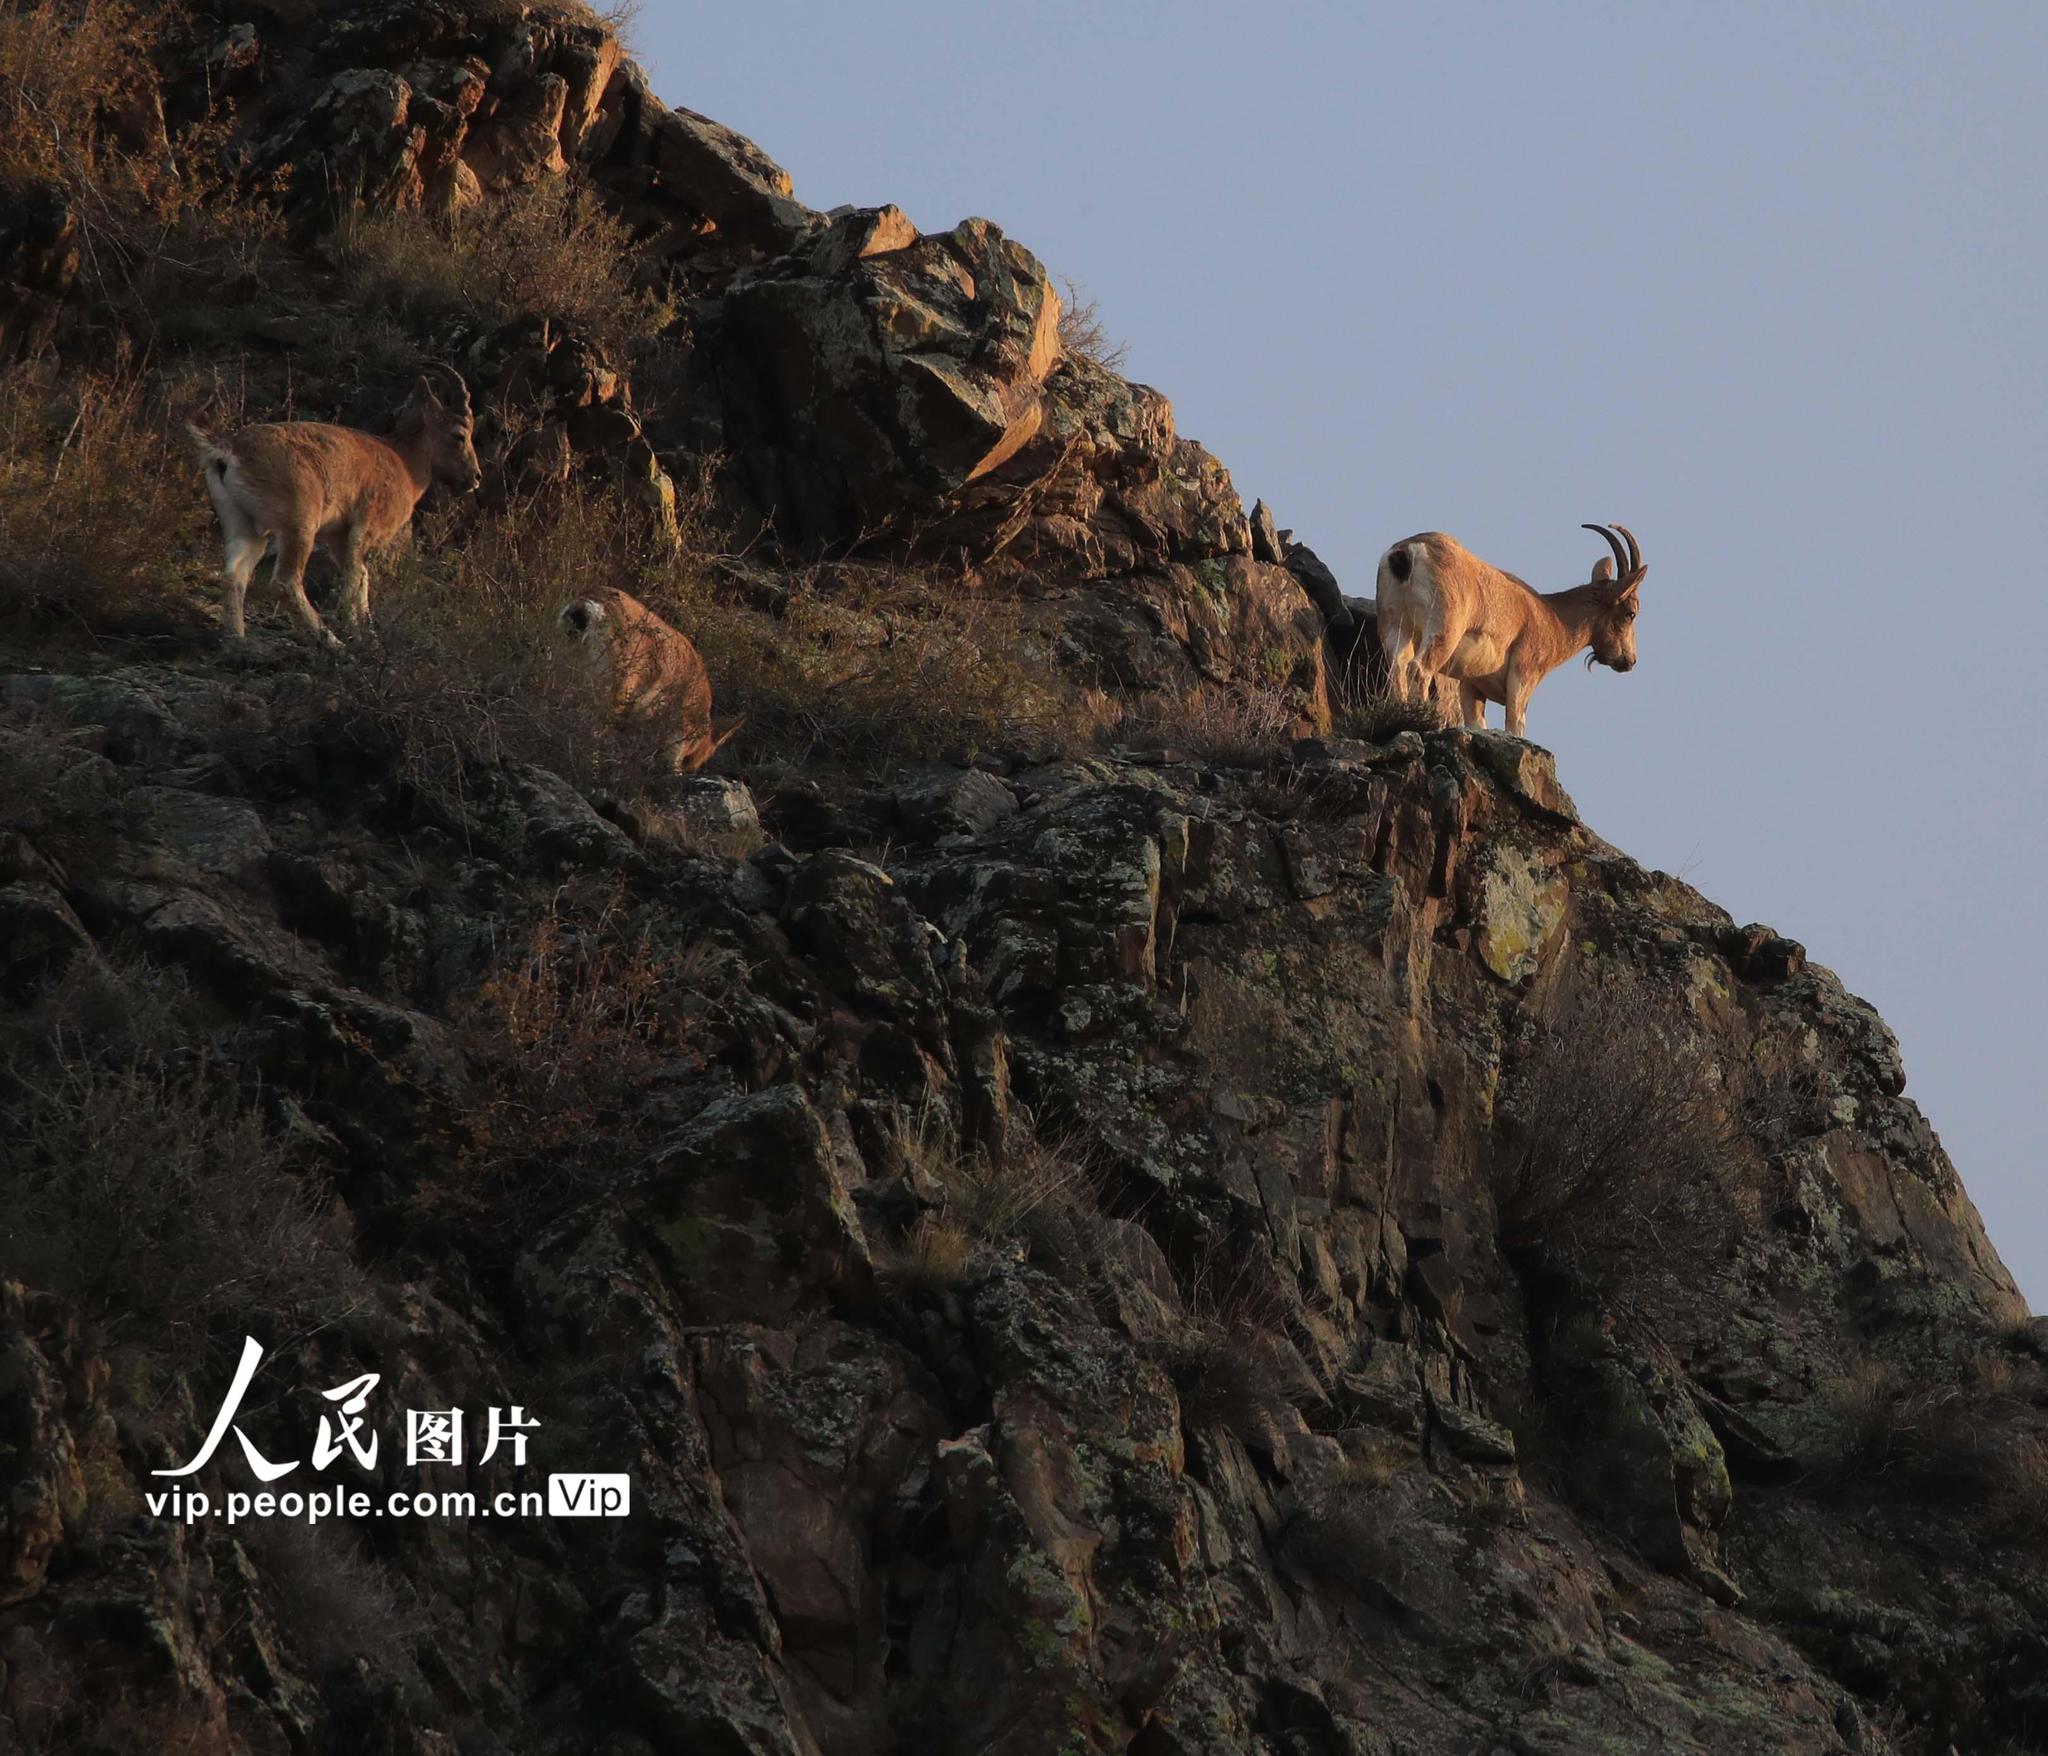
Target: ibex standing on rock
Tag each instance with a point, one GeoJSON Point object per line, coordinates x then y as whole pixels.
{"type": "Point", "coordinates": [1444, 612]}
{"type": "Point", "coordinates": [303, 482]}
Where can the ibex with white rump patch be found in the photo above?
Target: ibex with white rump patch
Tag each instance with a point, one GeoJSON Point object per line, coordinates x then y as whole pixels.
{"type": "Point", "coordinates": [304, 482]}
{"type": "Point", "coordinates": [1443, 612]}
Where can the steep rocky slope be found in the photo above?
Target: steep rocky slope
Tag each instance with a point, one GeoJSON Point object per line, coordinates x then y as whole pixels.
{"type": "Point", "coordinates": [1080, 1246]}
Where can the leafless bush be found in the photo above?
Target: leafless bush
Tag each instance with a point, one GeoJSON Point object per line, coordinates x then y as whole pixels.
{"type": "Point", "coordinates": [333, 1603]}
{"type": "Point", "coordinates": [65, 67]}
{"type": "Point", "coordinates": [1351, 1532]}
{"type": "Point", "coordinates": [567, 1040]}
{"type": "Point", "coordinates": [1228, 1358]}
{"type": "Point", "coordinates": [143, 1186]}
{"type": "Point", "coordinates": [867, 664]}
{"type": "Point", "coordinates": [1083, 335]}
{"type": "Point", "coordinates": [1975, 1441]}
{"type": "Point", "coordinates": [1619, 1138]}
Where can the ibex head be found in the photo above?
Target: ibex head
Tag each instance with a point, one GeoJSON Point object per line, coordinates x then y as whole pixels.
{"type": "Point", "coordinates": [1614, 633]}
{"type": "Point", "coordinates": [446, 417]}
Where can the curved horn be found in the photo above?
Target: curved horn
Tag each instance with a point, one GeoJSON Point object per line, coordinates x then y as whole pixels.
{"type": "Point", "coordinates": [1621, 559]}
{"type": "Point", "coordinates": [1635, 549]}
{"type": "Point", "coordinates": [461, 386]}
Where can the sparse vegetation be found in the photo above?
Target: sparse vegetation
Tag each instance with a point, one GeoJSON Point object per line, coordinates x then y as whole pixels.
{"type": "Point", "coordinates": [1381, 715]}
{"type": "Point", "coordinates": [1978, 1440]}
{"type": "Point", "coordinates": [541, 250]}
{"type": "Point", "coordinates": [571, 1038]}
{"type": "Point", "coordinates": [1349, 1532]}
{"type": "Point", "coordinates": [935, 1256]}
{"type": "Point", "coordinates": [1618, 1143]}
{"type": "Point", "coordinates": [332, 1602]}
{"type": "Point", "coordinates": [134, 1176]}
{"type": "Point", "coordinates": [1025, 1203]}
{"type": "Point", "coordinates": [73, 446]}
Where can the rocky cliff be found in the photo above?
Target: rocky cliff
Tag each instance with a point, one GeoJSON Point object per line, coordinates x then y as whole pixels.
{"type": "Point", "coordinates": [1102, 1240]}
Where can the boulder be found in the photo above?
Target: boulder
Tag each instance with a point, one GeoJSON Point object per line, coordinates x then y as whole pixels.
{"type": "Point", "coordinates": [858, 396]}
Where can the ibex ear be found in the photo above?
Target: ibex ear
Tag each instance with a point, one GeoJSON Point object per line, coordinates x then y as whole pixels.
{"type": "Point", "coordinates": [1603, 569]}
{"type": "Point", "coordinates": [423, 391]}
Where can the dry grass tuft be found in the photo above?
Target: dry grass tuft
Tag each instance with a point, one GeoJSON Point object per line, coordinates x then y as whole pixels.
{"type": "Point", "coordinates": [1025, 1204]}
{"type": "Point", "coordinates": [937, 1256]}
{"type": "Point", "coordinates": [1381, 716]}
{"type": "Point", "coordinates": [1240, 725]}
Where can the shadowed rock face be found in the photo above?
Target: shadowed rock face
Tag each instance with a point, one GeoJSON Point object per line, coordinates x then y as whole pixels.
{"type": "Point", "coordinates": [1029, 1504]}
{"type": "Point", "coordinates": [1252, 1403]}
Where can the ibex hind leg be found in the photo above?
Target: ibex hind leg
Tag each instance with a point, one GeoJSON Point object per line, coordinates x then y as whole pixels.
{"type": "Point", "coordinates": [293, 552]}
{"type": "Point", "coordinates": [244, 551]}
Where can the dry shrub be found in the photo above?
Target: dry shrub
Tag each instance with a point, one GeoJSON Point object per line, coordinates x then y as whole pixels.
{"type": "Point", "coordinates": [133, 1177]}
{"type": "Point", "coordinates": [68, 68]}
{"type": "Point", "coordinates": [2018, 1508]}
{"type": "Point", "coordinates": [62, 797]}
{"type": "Point", "coordinates": [568, 1039]}
{"type": "Point", "coordinates": [1353, 1534]}
{"type": "Point", "coordinates": [1227, 1358]}
{"type": "Point", "coordinates": [333, 1603]}
{"type": "Point", "coordinates": [1978, 1442]}
{"type": "Point", "coordinates": [159, 221]}
{"type": "Point", "coordinates": [1084, 336]}
{"type": "Point", "coordinates": [543, 250]}
{"type": "Point", "coordinates": [1618, 1151]}
{"type": "Point", "coordinates": [102, 512]}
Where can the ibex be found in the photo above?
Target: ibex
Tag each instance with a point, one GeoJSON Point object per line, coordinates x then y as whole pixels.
{"type": "Point", "coordinates": [654, 677]}
{"type": "Point", "coordinates": [1444, 612]}
{"type": "Point", "coordinates": [304, 482]}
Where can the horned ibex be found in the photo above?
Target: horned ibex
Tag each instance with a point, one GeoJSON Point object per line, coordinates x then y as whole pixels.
{"type": "Point", "coordinates": [1444, 612]}
{"type": "Point", "coordinates": [304, 482]}
{"type": "Point", "coordinates": [653, 676]}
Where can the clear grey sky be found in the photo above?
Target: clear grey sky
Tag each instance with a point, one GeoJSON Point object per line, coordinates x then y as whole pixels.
{"type": "Point", "coordinates": [1766, 283]}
